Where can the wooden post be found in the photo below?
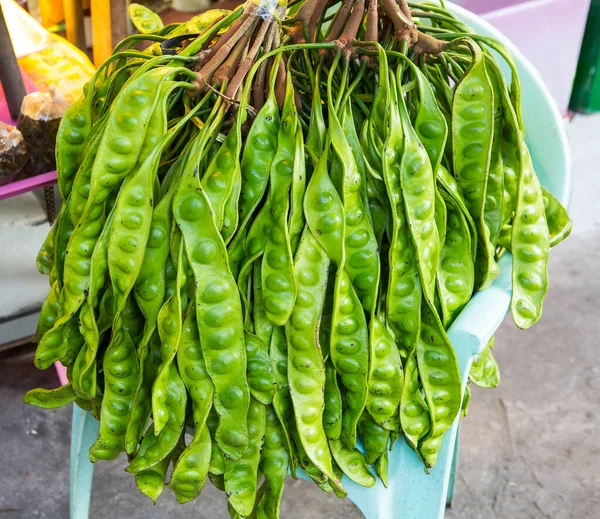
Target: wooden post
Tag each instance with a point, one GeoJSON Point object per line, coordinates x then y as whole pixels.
{"type": "Point", "coordinates": [119, 18]}
{"type": "Point", "coordinates": [74, 22]}
{"type": "Point", "coordinates": [10, 73]}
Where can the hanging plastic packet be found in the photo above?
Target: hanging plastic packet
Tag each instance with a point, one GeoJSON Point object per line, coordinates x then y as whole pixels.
{"type": "Point", "coordinates": [14, 153]}
{"type": "Point", "coordinates": [268, 9]}
{"type": "Point", "coordinates": [39, 119]}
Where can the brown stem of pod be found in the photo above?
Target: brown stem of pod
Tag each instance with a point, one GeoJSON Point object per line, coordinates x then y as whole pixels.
{"type": "Point", "coordinates": [207, 51]}
{"type": "Point", "coordinates": [308, 15]}
{"type": "Point", "coordinates": [404, 26]}
{"type": "Point", "coordinates": [371, 28]}
{"type": "Point", "coordinates": [427, 44]}
{"type": "Point", "coordinates": [248, 61]}
{"type": "Point", "coordinates": [258, 90]}
{"type": "Point", "coordinates": [341, 17]}
{"type": "Point", "coordinates": [351, 30]}
{"type": "Point", "coordinates": [217, 20]}
{"type": "Point", "coordinates": [405, 9]}
{"type": "Point", "coordinates": [205, 74]}
{"type": "Point", "coordinates": [235, 27]}
{"type": "Point", "coordinates": [406, 29]}
{"type": "Point", "coordinates": [314, 20]}
{"type": "Point", "coordinates": [226, 71]}
{"type": "Point", "coordinates": [280, 82]}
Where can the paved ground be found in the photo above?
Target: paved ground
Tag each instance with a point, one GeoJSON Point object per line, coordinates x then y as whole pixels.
{"type": "Point", "coordinates": [529, 447]}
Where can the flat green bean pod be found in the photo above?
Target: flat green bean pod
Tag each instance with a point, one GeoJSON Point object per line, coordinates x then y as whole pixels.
{"type": "Point", "coordinates": [530, 247]}
{"type": "Point", "coordinates": [274, 463]}
{"type": "Point", "coordinates": [494, 194]}
{"type": "Point", "coordinates": [71, 140]}
{"type": "Point", "coordinates": [375, 438]}
{"type": "Point", "coordinates": [447, 184]}
{"type": "Point", "coordinates": [241, 480]}
{"type": "Point", "coordinates": [386, 376]}
{"type": "Point", "coordinates": [48, 312]}
{"type": "Point", "coordinates": [223, 175]}
{"type": "Point", "coordinates": [456, 272]}
{"type": "Point", "coordinates": [44, 260]}
{"type": "Point", "coordinates": [258, 154]}
{"type": "Point", "coordinates": [324, 211]}
{"type": "Point", "coordinates": [144, 19]}
{"type": "Point", "coordinates": [353, 463]}
{"type": "Point", "coordinates": [151, 482]}
{"type": "Point", "coordinates": [438, 369]}
{"type": "Point", "coordinates": [120, 379]}
{"type": "Point", "coordinates": [192, 369]}
{"type": "Point", "coordinates": [414, 414]}
{"type": "Point", "coordinates": [430, 124]}
{"type": "Point", "coordinates": [306, 368]}
{"type": "Point", "coordinates": [317, 129]}
{"type": "Point", "coordinates": [278, 280]}
{"type": "Point", "coordinates": [464, 408]}
{"type": "Point", "coordinates": [263, 328]}
{"type": "Point", "coordinates": [418, 193]}
{"type": "Point", "coordinates": [81, 184]}
{"type": "Point", "coordinates": [260, 372]}
{"type": "Point", "coordinates": [217, 459]}
{"type": "Point", "coordinates": [191, 470]}
{"type": "Point", "coordinates": [350, 353]}
{"type": "Point", "coordinates": [88, 325]}
{"type": "Point", "coordinates": [283, 406]}
{"type": "Point", "coordinates": [381, 468]}
{"type": "Point", "coordinates": [484, 370]}
{"type": "Point", "coordinates": [559, 223]}
{"type": "Point", "coordinates": [169, 326]}
{"type": "Point", "coordinates": [219, 314]}
{"type": "Point", "coordinates": [296, 218]}
{"type": "Point", "coordinates": [149, 359]}
{"type": "Point", "coordinates": [440, 217]}
{"type": "Point", "coordinates": [332, 412]}
{"type": "Point", "coordinates": [168, 438]}
{"type": "Point", "coordinates": [361, 250]}
{"type": "Point", "coordinates": [404, 292]}
{"type": "Point", "coordinates": [472, 128]}
{"type": "Point", "coordinates": [306, 464]}
{"type": "Point", "coordinates": [50, 398]}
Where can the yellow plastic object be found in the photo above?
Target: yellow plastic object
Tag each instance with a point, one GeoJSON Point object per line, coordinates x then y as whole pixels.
{"type": "Point", "coordinates": [26, 34]}
{"type": "Point", "coordinates": [61, 65]}
{"type": "Point", "coordinates": [51, 12]}
{"type": "Point", "coordinates": [101, 30]}
{"type": "Point", "coordinates": [74, 24]}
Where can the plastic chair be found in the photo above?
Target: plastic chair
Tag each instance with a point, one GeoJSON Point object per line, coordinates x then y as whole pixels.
{"type": "Point", "coordinates": [411, 493]}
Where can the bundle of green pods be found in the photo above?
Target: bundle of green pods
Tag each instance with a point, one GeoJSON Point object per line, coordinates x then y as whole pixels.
{"type": "Point", "coordinates": [270, 218]}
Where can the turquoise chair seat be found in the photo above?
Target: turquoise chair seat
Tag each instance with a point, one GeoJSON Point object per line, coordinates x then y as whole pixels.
{"type": "Point", "coordinates": [413, 494]}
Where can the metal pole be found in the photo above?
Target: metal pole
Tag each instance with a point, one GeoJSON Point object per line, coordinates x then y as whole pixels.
{"type": "Point", "coordinates": [10, 74]}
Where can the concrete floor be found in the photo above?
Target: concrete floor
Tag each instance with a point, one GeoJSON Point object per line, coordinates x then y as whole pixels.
{"type": "Point", "coordinates": [529, 448]}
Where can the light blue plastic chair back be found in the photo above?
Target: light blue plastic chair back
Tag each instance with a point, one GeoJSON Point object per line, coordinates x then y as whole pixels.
{"type": "Point", "coordinates": [411, 493]}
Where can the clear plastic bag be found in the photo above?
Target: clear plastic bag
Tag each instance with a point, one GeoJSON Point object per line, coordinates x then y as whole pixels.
{"type": "Point", "coordinates": [14, 153]}
{"type": "Point", "coordinates": [39, 119]}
